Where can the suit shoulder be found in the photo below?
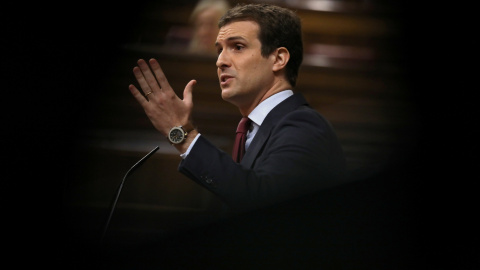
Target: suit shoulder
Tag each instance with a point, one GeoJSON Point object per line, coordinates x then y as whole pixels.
{"type": "Point", "coordinates": [305, 113]}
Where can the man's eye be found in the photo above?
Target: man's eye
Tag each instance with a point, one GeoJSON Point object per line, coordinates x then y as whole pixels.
{"type": "Point", "coordinates": [238, 47]}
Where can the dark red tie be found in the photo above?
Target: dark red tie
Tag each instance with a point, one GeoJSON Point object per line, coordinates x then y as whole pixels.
{"type": "Point", "coordinates": [241, 137]}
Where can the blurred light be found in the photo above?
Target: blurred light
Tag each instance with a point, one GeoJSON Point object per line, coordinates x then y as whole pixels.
{"type": "Point", "coordinates": [319, 5]}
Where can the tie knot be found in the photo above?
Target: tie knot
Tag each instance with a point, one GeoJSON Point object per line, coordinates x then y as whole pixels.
{"type": "Point", "coordinates": [243, 125]}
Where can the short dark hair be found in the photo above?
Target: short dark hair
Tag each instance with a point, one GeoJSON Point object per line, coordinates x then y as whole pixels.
{"type": "Point", "coordinates": [279, 27]}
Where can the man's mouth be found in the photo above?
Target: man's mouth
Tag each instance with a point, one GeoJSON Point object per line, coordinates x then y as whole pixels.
{"type": "Point", "coordinates": [225, 79]}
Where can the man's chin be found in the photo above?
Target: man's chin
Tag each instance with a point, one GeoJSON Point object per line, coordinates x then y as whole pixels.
{"type": "Point", "coordinates": [226, 94]}
{"type": "Point", "coordinates": [228, 97]}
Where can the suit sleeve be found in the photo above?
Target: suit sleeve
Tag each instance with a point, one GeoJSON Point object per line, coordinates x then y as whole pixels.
{"type": "Point", "coordinates": [301, 155]}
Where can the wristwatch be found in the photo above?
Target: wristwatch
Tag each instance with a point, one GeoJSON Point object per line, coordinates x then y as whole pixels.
{"type": "Point", "coordinates": [178, 134]}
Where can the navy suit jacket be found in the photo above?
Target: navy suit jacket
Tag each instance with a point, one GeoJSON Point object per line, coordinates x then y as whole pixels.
{"type": "Point", "coordinates": [295, 152]}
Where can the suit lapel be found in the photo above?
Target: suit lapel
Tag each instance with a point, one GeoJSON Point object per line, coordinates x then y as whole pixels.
{"type": "Point", "coordinates": [263, 133]}
{"type": "Point", "coordinates": [257, 143]}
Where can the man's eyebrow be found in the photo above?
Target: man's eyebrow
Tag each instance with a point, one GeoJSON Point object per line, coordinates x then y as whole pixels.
{"type": "Point", "coordinates": [231, 39]}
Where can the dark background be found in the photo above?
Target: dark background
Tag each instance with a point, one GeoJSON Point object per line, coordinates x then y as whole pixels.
{"type": "Point", "coordinates": [56, 56]}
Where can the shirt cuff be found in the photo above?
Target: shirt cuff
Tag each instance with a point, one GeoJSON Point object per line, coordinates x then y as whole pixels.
{"type": "Point", "coordinates": [184, 155]}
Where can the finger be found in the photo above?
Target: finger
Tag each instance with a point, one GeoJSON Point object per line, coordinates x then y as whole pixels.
{"type": "Point", "coordinates": [141, 80]}
{"type": "Point", "coordinates": [159, 75]}
{"type": "Point", "coordinates": [187, 93]}
{"type": "Point", "coordinates": [148, 76]}
{"type": "Point", "coordinates": [139, 97]}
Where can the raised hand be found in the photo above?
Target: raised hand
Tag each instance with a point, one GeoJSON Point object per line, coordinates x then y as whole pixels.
{"type": "Point", "coordinates": [162, 106]}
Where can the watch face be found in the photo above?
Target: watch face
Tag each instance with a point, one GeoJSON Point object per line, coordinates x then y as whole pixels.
{"type": "Point", "coordinates": [176, 135]}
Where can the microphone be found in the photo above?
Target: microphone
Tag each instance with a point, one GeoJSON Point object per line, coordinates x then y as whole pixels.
{"type": "Point", "coordinates": [129, 172]}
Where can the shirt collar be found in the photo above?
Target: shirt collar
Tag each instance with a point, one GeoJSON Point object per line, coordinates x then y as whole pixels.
{"type": "Point", "coordinates": [261, 111]}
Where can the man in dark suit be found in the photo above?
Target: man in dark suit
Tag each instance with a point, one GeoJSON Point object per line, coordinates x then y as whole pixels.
{"type": "Point", "coordinates": [290, 150]}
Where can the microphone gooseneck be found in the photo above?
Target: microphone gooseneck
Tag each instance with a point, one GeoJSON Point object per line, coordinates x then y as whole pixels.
{"type": "Point", "coordinates": [129, 172]}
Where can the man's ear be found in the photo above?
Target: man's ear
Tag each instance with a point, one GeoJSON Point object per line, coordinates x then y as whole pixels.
{"type": "Point", "coordinates": [282, 56]}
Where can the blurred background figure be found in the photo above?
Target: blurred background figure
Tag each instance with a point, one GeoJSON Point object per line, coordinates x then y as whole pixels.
{"type": "Point", "coordinates": [204, 19]}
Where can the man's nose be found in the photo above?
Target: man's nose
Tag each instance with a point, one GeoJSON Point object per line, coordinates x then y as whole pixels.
{"type": "Point", "coordinates": [222, 60]}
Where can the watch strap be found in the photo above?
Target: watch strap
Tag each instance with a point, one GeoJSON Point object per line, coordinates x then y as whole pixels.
{"type": "Point", "coordinates": [187, 128]}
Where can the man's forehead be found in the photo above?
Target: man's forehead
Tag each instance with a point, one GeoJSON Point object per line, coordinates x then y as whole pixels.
{"type": "Point", "coordinates": [242, 29]}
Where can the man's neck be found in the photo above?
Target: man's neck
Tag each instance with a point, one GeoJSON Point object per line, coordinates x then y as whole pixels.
{"type": "Point", "coordinates": [279, 86]}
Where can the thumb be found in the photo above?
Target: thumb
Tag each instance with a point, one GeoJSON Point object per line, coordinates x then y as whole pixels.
{"type": "Point", "coordinates": [187, 93]}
